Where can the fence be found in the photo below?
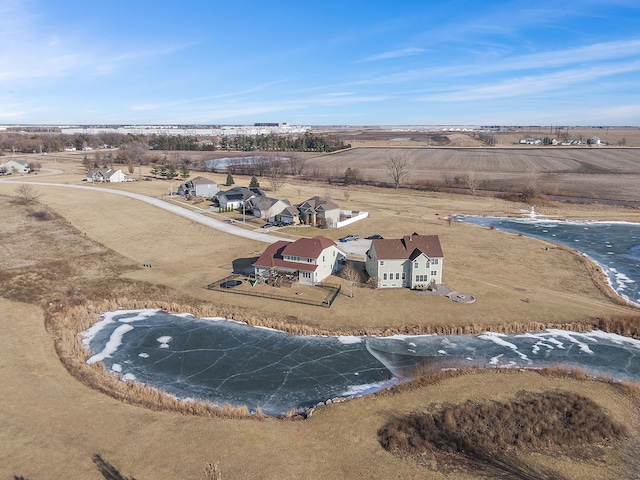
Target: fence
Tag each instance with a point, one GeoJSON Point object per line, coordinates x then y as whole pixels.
{"type": "Point", "coordinates": [332, 292]}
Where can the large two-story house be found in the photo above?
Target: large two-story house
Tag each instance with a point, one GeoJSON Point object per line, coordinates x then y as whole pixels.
{"type": "Point", "coordinates": [198, 187]}
{"type": "Point", "coordinates": [307, 260]}
{"type": "Point", "coordinates": [414, 261]}
{"type": "Point", "coordinates": [320, 212]}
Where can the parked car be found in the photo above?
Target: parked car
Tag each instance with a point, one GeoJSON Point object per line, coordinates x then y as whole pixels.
{"type": "Point", "coordinates": [349, 238]}
{"type": "Point", "coordinates": [267, 225]}
{"type": "Point", "coordinates": [374, 237]}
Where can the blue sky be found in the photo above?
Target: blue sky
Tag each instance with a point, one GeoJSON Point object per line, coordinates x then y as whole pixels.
{"type": "Point", "coordinates": [462, 62]}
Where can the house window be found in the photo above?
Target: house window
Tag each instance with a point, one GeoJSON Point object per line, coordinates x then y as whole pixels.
{"type": "Point", "coordinates": [421, 278]}
{"type": "Point", "coordinates": [381, 262]}
{"type": "Point", "coordinates": [404, 276]}
{"type": "Point", "coordinates": [397, 276]}
{"type": "Point", "coordinates": [384, 277]}
{"type": "Point", "coordinates": [433, 272]}
{"type": "Point", "coordinates": [434, 261]}
{"type": "Point", "coordinates": [309, 260]}
{"type": "Point", "coordinates": [323, 258]}
{"type": "Point", "coordinates": [415, 265]}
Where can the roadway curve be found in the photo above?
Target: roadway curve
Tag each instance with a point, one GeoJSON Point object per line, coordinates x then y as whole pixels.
{"type": "Point", "coordinates": [357, 248]}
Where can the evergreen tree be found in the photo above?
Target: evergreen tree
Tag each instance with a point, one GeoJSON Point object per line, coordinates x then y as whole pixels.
{"type": "Point", "coordinates": [254, 183]}
{"type": "Point", "coordinates": [229, 179]}
{"type": "Point", "coordinates": [349, 177]}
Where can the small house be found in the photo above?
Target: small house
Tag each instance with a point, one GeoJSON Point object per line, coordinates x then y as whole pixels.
{"type": "Point", "coordinates": [105, 175]}
{"type": "Point", "coordinates": [16, 167]}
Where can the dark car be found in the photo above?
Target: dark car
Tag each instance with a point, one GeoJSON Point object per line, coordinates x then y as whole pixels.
{"type": "Point", "coordinates": [349, 238]}
{"type": "Point", "coordinates": [374, 237]}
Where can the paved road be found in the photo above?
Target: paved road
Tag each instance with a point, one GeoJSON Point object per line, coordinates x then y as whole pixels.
{"type": "Point", "coordinates": [356, 248]}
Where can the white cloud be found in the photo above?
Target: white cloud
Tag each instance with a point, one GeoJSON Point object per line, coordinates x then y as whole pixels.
{"type": "Point", "coordinates": [531, 84]}
{"type": "Point", "coordinates": [405, 52]}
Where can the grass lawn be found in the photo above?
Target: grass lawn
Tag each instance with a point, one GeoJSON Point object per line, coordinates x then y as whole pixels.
{"type": "Point", "coordinates": [94, 248]}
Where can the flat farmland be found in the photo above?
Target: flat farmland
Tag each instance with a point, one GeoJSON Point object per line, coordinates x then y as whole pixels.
{"type": "Point", "coordinates": [597, 172]}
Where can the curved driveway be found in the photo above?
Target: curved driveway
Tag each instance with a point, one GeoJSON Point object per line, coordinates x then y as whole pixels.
{"type": "Point", "coordinates": [358, 247]}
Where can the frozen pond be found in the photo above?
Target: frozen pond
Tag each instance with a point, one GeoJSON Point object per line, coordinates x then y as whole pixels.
{"type": "Point", "coordinates": [615, 246]}
{"type": "Point", "coordinates": [228, 362]}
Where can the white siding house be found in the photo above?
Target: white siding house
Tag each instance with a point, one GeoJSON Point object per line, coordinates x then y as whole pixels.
{"type": "Point", "coordinates": [308, 261]}
{"type": "Point", "coordinates": [16, 167]}
{"type": "Point", "coordinates": [199, 187]}
{"type": "Point", "coordinates": [105, 175]}
{"type": "Point", "coordinates": [414, 261]}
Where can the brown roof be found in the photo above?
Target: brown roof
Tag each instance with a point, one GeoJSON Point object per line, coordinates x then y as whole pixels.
{"type": "Point", "coordinates": [308, 247]}
{"type": "Point", "coordinates": [272, 257]}
{"type": "Point", "coordinates": [408, 247]}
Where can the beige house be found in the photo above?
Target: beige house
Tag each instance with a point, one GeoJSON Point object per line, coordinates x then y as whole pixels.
{"type": "Point", "coordinates": [16, 167]}
{"type": "Point", "coordinates": [307, 261]}
{"type": "Point", "coordinates": [414, 261]}
{"type": "Point", "coordinates": [266, 208]}
{"type": "Point", "coordinates": [319, 212]}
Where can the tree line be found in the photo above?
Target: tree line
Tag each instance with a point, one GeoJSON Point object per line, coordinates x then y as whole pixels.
{"type": "Point", "coordinates": [43, 142]}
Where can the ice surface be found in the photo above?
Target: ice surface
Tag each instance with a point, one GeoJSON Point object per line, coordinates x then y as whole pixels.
{"type": "Point", "coordinates": [228, 362]}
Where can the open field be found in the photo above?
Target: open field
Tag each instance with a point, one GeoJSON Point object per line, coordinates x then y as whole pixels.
{"type": "Point", "coordinates": [95, 248]}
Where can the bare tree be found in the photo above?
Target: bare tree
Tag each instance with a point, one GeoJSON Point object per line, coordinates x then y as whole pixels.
{"type": "Point", "coordinates": [351, 274]}
{"type": "Point", "coordinates": [397, 167]}
{"type": "Point", "coordinates": [34, 165]}
{"type": "Point", "coordinates": [297, 165]}
{"type": "Point", "coordinates": [276, 174]}
{"type": "Point", "coordinates": [530, 191]}
{"type": "Point", "coordinates": [472, 181]}
{"type": "Point", "coordinates": [27, 194]}
{"type": "Point", "coordinates": [134, 153]}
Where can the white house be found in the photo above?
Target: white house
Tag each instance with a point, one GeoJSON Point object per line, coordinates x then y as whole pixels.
{"type": "Point", "coordinates": [307, 260]}
{"type": "Point", "coordinates": [199, 187]}
{"type": "Point", "coordinates": [414, 261]}
{"type": "Point", "coordinates": [105, 175]}
{"type": "Point", "coordinates": [237, 196]}
{"type": "Point", "coordinates": [16, 167]}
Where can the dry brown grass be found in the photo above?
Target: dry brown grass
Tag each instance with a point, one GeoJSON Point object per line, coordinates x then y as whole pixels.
{"type": "Point", "coordinates": [541, 421]}
{"type": "Point", "coordinates": [43, 438]}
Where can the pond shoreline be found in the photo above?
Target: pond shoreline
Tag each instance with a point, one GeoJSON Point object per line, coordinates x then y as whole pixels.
{"type": "Point", "coordinates": [66, 325]}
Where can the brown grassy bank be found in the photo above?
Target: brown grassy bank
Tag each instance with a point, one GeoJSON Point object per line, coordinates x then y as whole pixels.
{"type": "Point", "coordinates": [64, 326]}
{"type": "Point", "coordinates": [488, 436]}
